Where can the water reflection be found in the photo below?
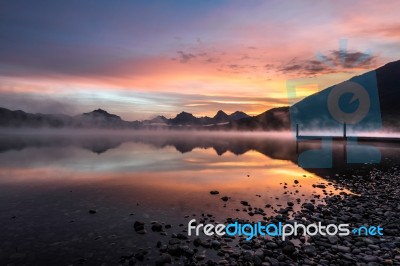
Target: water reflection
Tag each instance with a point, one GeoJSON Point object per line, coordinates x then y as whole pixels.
{"type": "Point", "coordinates": [49, 182]}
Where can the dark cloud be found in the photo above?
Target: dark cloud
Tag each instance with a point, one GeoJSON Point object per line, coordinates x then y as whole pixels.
{"type": "Point", "coordinates": [290, 68]}
{"type": "Point", "coordinates": [353, 59]}
{"type": "Point", "coordinates": [211, 60]}
{"type": "Point", "coordinates": [336, 60]}
{"type": "Point", "coordinates": [185, 57]}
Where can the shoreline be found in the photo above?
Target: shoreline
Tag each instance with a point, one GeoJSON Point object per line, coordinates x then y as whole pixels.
{"type": "Point", "coordinates": [376, 203]}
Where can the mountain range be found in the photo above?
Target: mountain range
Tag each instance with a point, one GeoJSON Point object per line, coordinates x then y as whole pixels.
{"type": "Point", "coordinates": [102, 119]}
{"type": "Point", "coordinates": [384, 82]}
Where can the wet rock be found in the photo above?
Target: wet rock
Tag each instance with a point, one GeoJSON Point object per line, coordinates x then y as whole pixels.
{"type": "Point", "coordinates": [174, 241]}
{"type": "Point", "coordinates": [272, 245]}
{"type": "Point", "coordinates": [181, 236]}
{"type": "Point", "coordinates": [139, 227]}
{"type": "Point", "coordinates": [244, 203]}
{"type": "Point", "coordinates": [288, 250]}
{"type": "Point", "coordinates": [259, 253]}
{"type": "Point", "coordinates": [197, 242]}
{"type": "Point", "coordinates": [224, 198]}
{"type": "Point", "coordinates": [343, 249]}
{"type": "Point", "coordinates": [370, 258]}
{"type": "Point", "coordinates": [309, 206]}
{"type": "Point", "coordinates": [156, 227]}
{"type": "Point", "coordinates": [163, 259]}
{"type": "Point", "coordinates": [214, 192]}
{"type": "Point", "coordinates": [387, 262]}
{"type": "Point", "coordinates": [246, 247]}
{"type": "Point", "coordinates": [215, 244]}
{"type": "Point", "coordinates": [92, 211]}
{"type": "Point", "coordinates": [310, 250]}
{"type": "Point", "coordinates": [257, 261]}
{"type": "Point", "coordinates": [333, 239]}
{"type": "Point", "coordinates": [272, 261]}
{"type": "Point", "coordinates": [356, 251]}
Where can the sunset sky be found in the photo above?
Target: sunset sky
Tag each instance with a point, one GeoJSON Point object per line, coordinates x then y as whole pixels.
{"type": "Point", "coordinates": [139, 59]}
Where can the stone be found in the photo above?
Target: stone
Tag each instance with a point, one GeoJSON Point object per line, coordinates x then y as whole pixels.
{"type": "Point", "coordinates": [156, 227]}
{"type": "Point", "coordinates": [333, 239]}
{"type": "Point", "coordinates": [310, 250]}
{"type": "Point", "coordinates": [309, 206]}
{"type": "Point", "coordinates": [288, 250]}
{"type": "Point", "coordinates": [224, 198]}
{"type": "Point", "coordinates": [163, 259]}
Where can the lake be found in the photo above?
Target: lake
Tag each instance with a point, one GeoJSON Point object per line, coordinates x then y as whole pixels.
{"type": "Point", "coordinates": [50, 181]}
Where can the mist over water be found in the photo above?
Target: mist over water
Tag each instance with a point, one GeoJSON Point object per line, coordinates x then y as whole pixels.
{"type": "Point", "coordinates": [50, 179]}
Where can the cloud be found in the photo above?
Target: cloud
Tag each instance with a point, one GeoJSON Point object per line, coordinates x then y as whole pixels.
{"type": "Point", "coordinates": [336, 61]}
{"type": "Point", "coordinates": [36, 103]}
{"type": "Point", "coordinates": [135, 105]}
{"type": "Point", "coordinates": [185, 57]}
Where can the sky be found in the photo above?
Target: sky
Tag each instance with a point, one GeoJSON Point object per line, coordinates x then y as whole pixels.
{"type": "Point", "coordinates": [139, 59]}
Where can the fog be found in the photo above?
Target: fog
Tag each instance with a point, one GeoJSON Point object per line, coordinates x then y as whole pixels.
{"type": "Point", "coordinates": [184, 133]}
{"type": "Point", "coordinates": [193, 133]}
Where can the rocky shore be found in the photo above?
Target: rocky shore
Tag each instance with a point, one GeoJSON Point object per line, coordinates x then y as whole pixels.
{"type": "Point", "coordinates": [374, 201]}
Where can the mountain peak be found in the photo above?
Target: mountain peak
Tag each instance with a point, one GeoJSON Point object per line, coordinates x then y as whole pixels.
{"type": "Point", "coordinates": [221, 116]}
{"type": "Point", "coordinates": [159, 119]}
{"type": "Point", "coordinates": [184, 118]}
{"type": "Point", "coordinates": [238, 115]}
{"type": "Point", "coordinates": [101, 113]}
{"type": "Point", "coordinates": [184, 114]}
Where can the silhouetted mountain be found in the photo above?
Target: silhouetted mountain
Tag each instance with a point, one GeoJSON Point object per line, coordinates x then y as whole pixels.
{"type": "Point", "coordinates": [184, 118]}
{"type": "Point", "coordinates": [20, 118]}
{"type": "Point", "coordinates": [221, 117]}
{"type": "Point", "coordinates": [382, 83]}
{"type": "Point", "coordinates": [159, 120]}
{"type": "Point", "coordinates": [388, 80]}
{"type": "Point", "coordinates": [238, 115]}
{"type": "Point", "coordinates": [190, 120]}
{"type": "Point", "coordinates": [312, 112]}
{"type": "Point", "coordinates": [102, 115]}
{"type": "Point", "coordinates": [273, 119]}
{"type": "Point", "coordinates": [99, 119]}
{"type": "Point", "coordinates": [102, 119]}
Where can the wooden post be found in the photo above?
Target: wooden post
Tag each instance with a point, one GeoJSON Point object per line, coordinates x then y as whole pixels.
{"type": "Point", "coordinates": [344, 130]}
{"type": "Point", "coordinates": [297, 131]}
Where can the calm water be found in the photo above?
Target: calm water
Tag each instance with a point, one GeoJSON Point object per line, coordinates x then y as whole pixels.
{"type": "Point", "coordinates": [48, 183]}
